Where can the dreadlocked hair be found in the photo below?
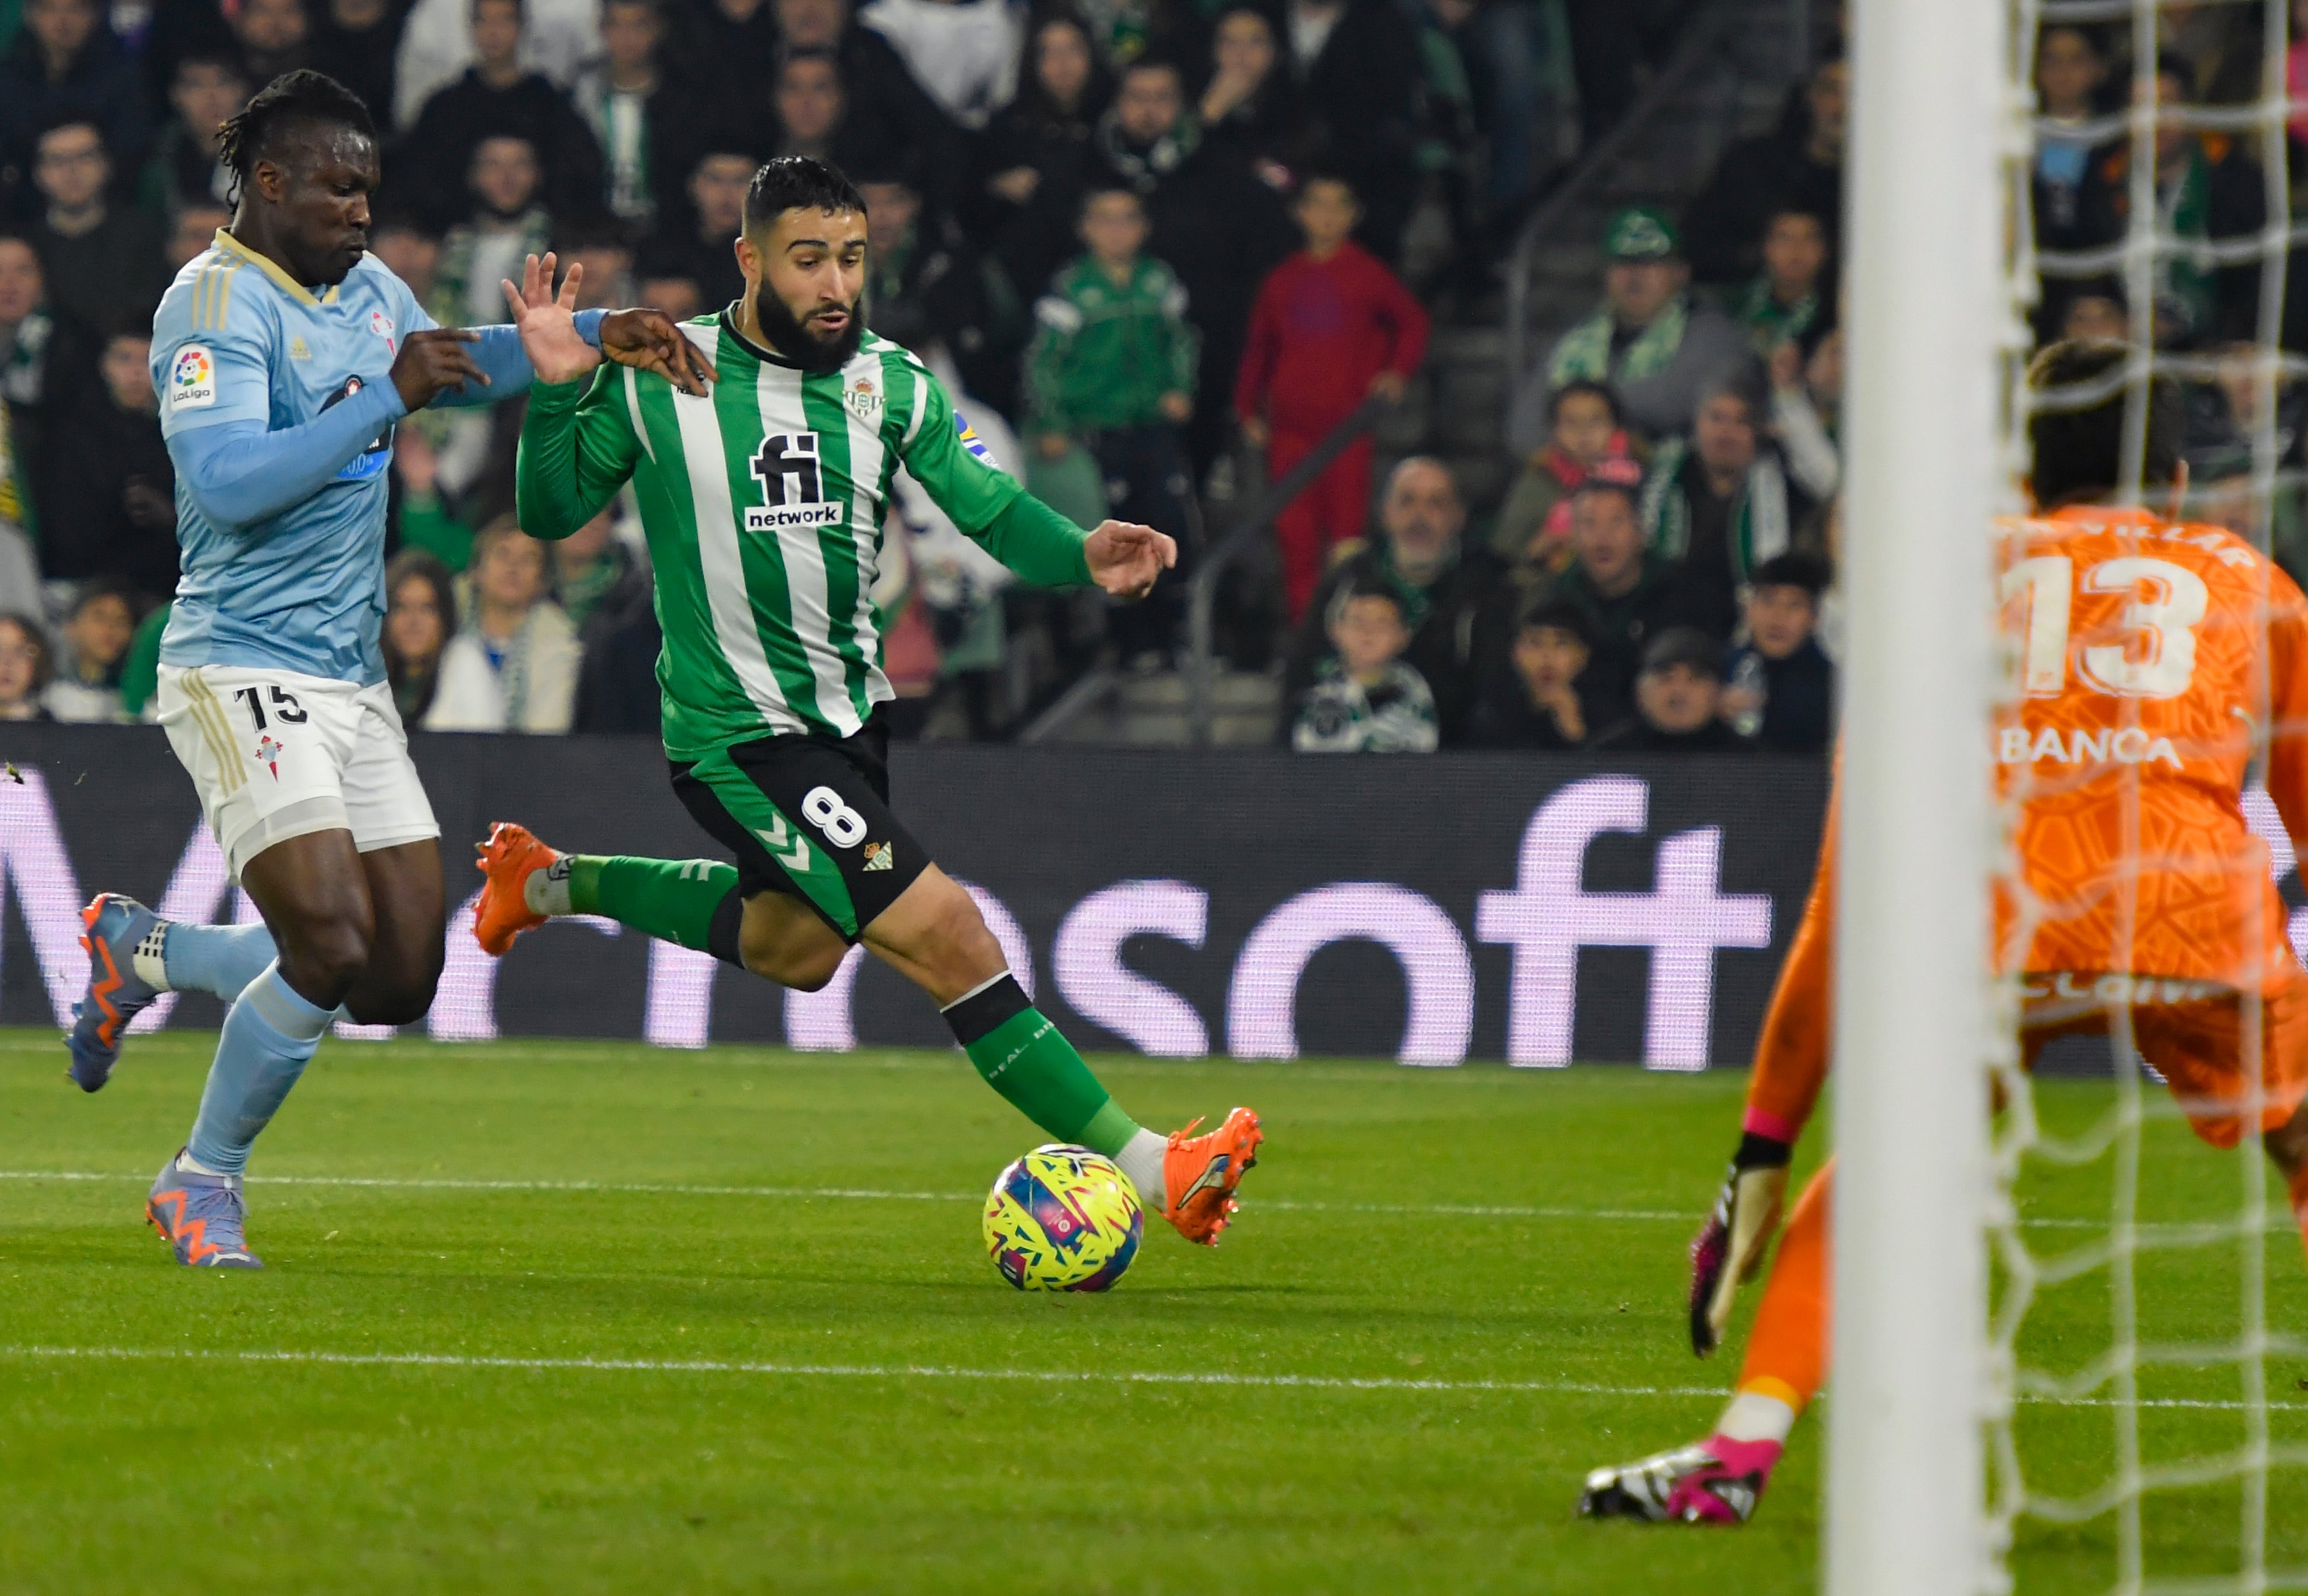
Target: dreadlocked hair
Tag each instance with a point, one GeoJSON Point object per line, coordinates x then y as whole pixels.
{"type": "Point", "coordinates": [302, 97]}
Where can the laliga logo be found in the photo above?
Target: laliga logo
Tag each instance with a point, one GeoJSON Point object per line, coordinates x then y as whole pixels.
{"type": "Point", "coordinates": [192, 368]}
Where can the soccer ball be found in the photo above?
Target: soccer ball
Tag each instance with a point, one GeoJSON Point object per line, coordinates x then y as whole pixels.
{"type": "Point", "coordinates": [1062, 1218]}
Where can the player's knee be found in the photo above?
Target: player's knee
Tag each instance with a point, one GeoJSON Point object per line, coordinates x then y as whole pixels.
{"type": "Point", "coordinates": [809, 971]}
{"type": "Point", "coordinates": [322, 958]}
{"type": "Point", "coordinates": [956, 943]}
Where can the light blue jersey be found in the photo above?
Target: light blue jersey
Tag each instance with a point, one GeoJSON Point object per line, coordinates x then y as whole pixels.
{"type": "Point", "coordinates": [237, 339]}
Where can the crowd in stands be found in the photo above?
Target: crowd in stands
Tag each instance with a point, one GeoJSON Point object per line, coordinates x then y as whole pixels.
{"type": "Point", "coordinates": [1132, 236]}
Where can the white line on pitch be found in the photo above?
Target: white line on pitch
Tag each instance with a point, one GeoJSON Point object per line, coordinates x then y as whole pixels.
{"type": "Point", "coordinates": [925, 1371]}
{"type": "Point", "coordinates": [1285, 1205]}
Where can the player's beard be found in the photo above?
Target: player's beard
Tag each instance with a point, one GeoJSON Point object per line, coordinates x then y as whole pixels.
{"type": "Point", "coordinates": [813, 353]}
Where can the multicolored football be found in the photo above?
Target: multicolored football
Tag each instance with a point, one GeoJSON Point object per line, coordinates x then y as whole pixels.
{"type": "Point", "coordinates": [1062, 1218]}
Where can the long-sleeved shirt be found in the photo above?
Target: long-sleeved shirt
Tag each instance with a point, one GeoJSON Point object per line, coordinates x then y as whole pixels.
{"type": "Point", "coordinates": [1104, 355]}
{"type": "Point", "coordinates": [1319, 331]}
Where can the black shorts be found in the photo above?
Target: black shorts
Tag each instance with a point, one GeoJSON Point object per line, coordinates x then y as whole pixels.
{"type": "Point", "coordinates": [809, 816]}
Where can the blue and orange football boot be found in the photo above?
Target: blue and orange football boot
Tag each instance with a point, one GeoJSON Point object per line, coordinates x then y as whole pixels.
{"type": "Point", "coordinates": [201, 1216]}
{"type": "Point", "coordinates": [1201, 1172]}
{"type": "Point", "coordinates": [125, 940]}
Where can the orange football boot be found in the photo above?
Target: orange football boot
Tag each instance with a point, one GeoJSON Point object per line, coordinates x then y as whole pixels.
{"type": "Point", "coordinates": [1201, 1172]}
{"type": "Point", "coordinates": [503, 913]}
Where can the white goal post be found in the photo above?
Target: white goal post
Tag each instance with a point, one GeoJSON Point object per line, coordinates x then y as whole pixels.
{"type": "Point", "coordinates": [1927, 320]}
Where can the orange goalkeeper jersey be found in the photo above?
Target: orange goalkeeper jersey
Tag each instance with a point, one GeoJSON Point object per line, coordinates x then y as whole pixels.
{"type": "Point", "coordinates": [2148, 686]}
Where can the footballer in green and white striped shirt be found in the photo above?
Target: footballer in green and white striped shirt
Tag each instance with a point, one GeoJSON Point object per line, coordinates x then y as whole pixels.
{"type": "Point", "coordinates": [764, 503]}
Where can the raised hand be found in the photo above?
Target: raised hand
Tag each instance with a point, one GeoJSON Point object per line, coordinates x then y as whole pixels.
{"type": "Point", "coordinates": [547, 321]}
{"type": "Point", "coordinates": [1126, 559]}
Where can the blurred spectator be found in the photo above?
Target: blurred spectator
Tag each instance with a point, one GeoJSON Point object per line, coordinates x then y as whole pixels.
{"type": "Point", "coordinates": [358, 42]}
{"type": "Point", "coordinates": [2207, 189]}
{"type": "Point", "coordinates": [1798, 167]}
{"type": "Point", "coordinates": [1807, 410]}
{"type": "Point", "coordinates": [1248, 108]}
{"type": "Point", "coordinates": [1357, 64]}
{"type": "Point", "coordinates": [1331, 328]}
{"type": "Point", "coordinates": [100, 260]}
{"type": "Point", "coordinates": [601, 250]}
{"type": "Point", "coordinates": [813, 111]}
{"type": "Point", "coordinates": [496, 97]}
{"type": "Point", "coordinates": [1501, 46]}
{"type": "Point", "coordinates": [2295, 77]}
{"type": "Point", "coordinates": [928, 288]}
{"type": "Point", "coordinates": [20, 565]}
{"type": "Point", "coordinates": [636, 117]}
{"type": "Point", "coordinates": [1365, 698]}
{"type": "Point", "coordinates": [1112, 368]}
{"type": "Point", "coordinates": [1539, 701]}
{"type": "Point", "coordinates": [1533, 532]}
{"type": "Point", "coordinates": [513, 667]}
{"type": "Point", "coordinates": [24, 667]}
{"type": "Point", "coordinates": [887, 112]}
{"type": "Point", "coordinates": [1789, 298]}
{"type": "Point", "coordinates": [594, 569]}
{"type": "Point", "coordinates": [2097, 312]}
{"type": "Point", "coordinates": [705, 255]}
{"type": "Point", "coordinates": [274, 36]}
{"type": "Point", "coordinates": [2222, 45]}
{"type": "Point", "coordinates": [1454, 599]}
{"type": "Point", "coordinates": [111, 506]}
{"type": "Point", "coordinates": [1628, 594]}
{"type": "Point", "coordinates": [676, 296]}
{"type": "Point", "coordinates": [504, 225]}
{"type": "Point", "coordinates": [1720, 504]}
{"type": "Point", "coordinates": [410, 250]}
{"type": "Point", "coordinates": [1656, 345]}
{"type": "Point", "coordinates": [35, 350]}
{"type": "Point", "coordinates": [184, 169]}
{"type": "Point", "coordinates": [86, 686]}
{"type": "Point", "coordinates": [616, 683]}
{"type": "Point", "coordinates": [1215, 224]}
{"type": "Point", "coordinates": [194, 230]}
{"type": "Point", "coordinates": [66, 62]}
{"type": "Point", "coordinates": [557, 37]}
{"type": "Point", "coordinates": [1677, 699]}
{"type": "Point", "coordinates": [721, 52]}
{"type": "Point", "coordinates": [426, 523]}
{"type": "Point", "coordinates": [2069, 70]}
{"type": "Point", "coordinates": [963, 52]}
{"type": "Point", "coordinates": [420, 610]}
{"type": "Point", "coordinates": [1782, 685]}
{"type": "Point", "coordinates": [1038, 152]}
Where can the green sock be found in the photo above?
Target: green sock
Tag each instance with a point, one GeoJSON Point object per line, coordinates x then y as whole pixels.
{"type": "Point", "coordinates": [690, 901]}
{"type": "Point", "coordinates": [1023, 1056]}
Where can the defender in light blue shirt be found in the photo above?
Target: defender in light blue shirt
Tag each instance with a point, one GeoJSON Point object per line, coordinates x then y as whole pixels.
{"type": "Point", "coordinates": [283, 355]}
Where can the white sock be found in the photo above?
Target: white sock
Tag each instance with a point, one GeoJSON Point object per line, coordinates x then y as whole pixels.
{"type": "Point", "coordinates": [547, 890]}
{"type": "Point", "coordinates": [192, 1165]}
{"type": "Point", "coordinates": [1754, 1417]}
{"type": "Point", "coordinates": [1142, 1161]}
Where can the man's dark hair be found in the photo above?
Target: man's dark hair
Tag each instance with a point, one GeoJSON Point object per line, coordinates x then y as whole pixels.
{"type": "Point", "coordinates": [797, 183]}
{"type": "Point", "coordinates": [1103, 183]}
{"type": "Point", "coordinates": [217, 56]}
{"type": "Point", "coordinates": [1792, 570]}
{"type": "Point", "coordinates": [569, 238]}
{"type": "Point", "coordinates": [1329, 175]}
{"type": "Point", "coordinates": [103, 586]}
{"type": "Point", "coordinates": [520, 7]}
{"type": "Point", "coordinates": [1589, 387]}
{"type": "Point", "coordinates": [57, 121]}
{"type": "Point", "coordinates": [2076, 430]}
{"type": "Point", "coordinates": [293, 100]}
{"type": "Point", "coordinates": [1152, 64]}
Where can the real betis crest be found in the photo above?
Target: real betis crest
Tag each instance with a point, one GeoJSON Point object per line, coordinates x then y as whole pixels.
{"type": "Point", "coordinates": [864, 398]}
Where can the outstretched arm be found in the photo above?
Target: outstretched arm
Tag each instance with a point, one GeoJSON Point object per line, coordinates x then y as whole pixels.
{"type": "Point", "coordinates": [551, 340]}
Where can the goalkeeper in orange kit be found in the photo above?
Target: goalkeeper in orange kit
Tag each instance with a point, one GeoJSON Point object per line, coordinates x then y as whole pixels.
{"type": "Point", "coordinates": [2157, 657]}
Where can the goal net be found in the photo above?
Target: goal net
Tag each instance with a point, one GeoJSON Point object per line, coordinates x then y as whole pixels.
{"type": "Point", "coordinates": [2143, 1370]}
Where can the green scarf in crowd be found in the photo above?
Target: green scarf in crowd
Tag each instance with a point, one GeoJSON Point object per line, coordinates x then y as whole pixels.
{"type": "Point", "coordinates": [1585, 351]}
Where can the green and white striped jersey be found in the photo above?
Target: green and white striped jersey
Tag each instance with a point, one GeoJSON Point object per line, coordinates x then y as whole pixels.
{"type": "Point", "coordinates": [764, 506]}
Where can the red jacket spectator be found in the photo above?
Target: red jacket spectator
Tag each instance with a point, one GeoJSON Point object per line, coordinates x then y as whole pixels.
{"type": "Point", "coordinates": [1330, 326]}
{"type": "Point", "coordinates": [1319, 333]}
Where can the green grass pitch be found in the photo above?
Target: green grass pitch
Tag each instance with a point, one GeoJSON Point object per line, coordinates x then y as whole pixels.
{"type": "Point", "coordinates": [767, 1353]}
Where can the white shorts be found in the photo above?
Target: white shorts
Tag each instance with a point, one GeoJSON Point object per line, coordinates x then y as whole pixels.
{"type": "Point", "coordinates": [276, 755]}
